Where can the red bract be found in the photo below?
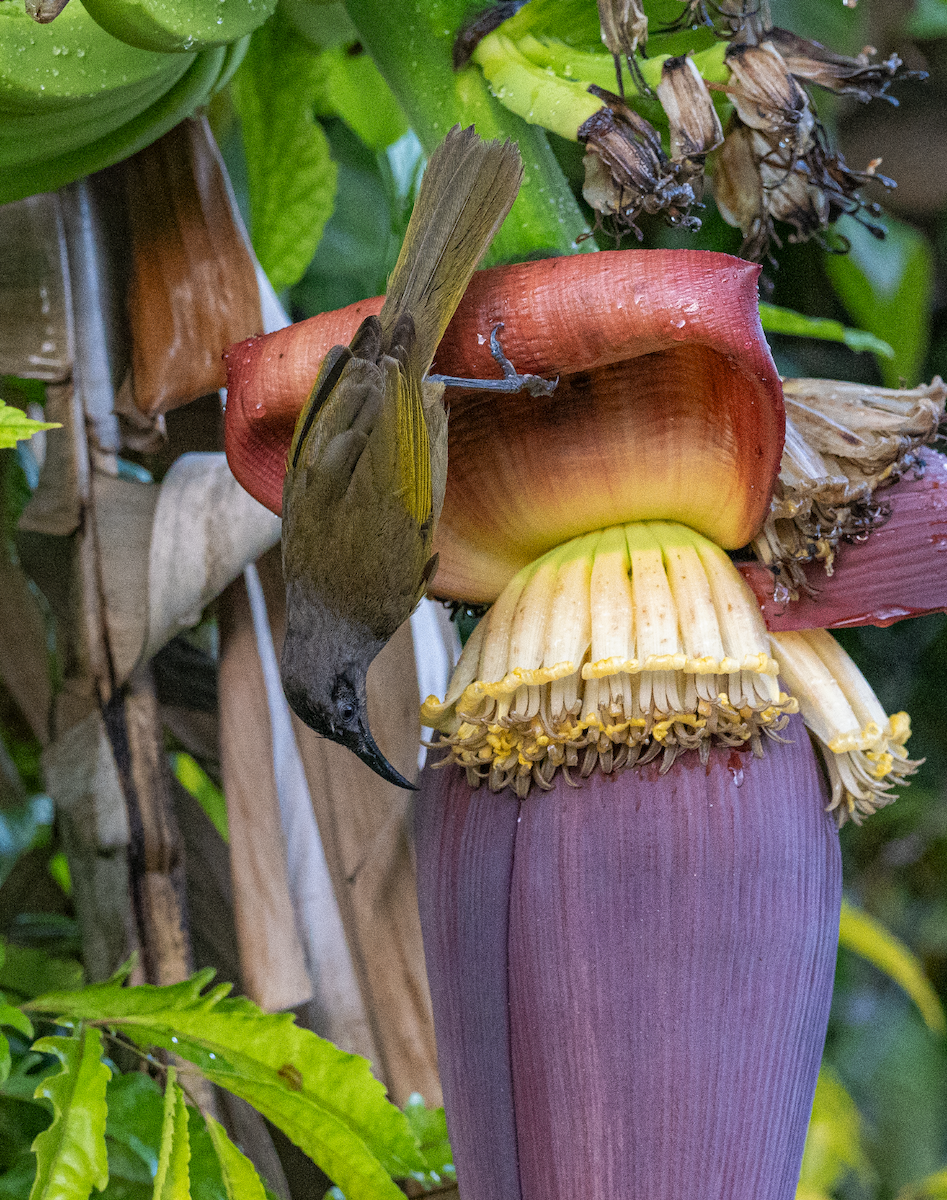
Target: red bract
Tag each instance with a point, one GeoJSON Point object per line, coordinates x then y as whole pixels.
{"type": "Point", "coordinates": [635, 335]}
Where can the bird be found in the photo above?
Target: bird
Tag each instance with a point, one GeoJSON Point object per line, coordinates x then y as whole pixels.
{"type": "Point", "coordinates": [367, 465]}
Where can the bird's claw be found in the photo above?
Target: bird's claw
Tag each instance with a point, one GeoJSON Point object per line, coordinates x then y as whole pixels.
{"type": "Point", "coordinates": [512, 380]}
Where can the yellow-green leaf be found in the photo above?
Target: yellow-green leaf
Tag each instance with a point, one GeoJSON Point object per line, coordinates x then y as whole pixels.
{"type": "Point", "coordinates": [291, 175]}
{"type": "Point", "coordinates": [172, 1181]}
{"type": "Point", "coordinates": [833, 1143]}
{"type": "Point", "coordinates": [323, 1099]}
{"type": "Point", "coordinates": [775, 319]}
{"type": "Point", "coordinates": [867, 937]}
{"type": "Point", "coordinates": [191, 775]}
{"type": "Point", "coordinates": [239, 1174]}
{"type": "Point", "coordinates": [355, 89]}
{"type": "Point", "coordinates": [934, 1187]}
{"type": "Point", "coordinates": [70, 1154]}
{"type": "Point", "coordinates": [16, 426]}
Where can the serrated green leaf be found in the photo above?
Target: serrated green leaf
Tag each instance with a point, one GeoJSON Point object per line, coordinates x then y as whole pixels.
{"type": "Point", "coordinates": [70, 1154]}
{"type": "Point", "coordinates": [239, 1174]}
{"type": "Point", "coordinates": [934, 1187]}
{"type": "Point", "coordinates": [172, 1181]}
{"type": "Point", "coordinates": [325, 1100]}
{"type": "Point", "coordinates": [785, 320]}
{"type": "Point", "coordinates": [886, 288]}
{"type": "Point", "coordinates": [834, 1141]}
{"type": "Point", "coordinates": [867, 937]}
{"type": "Point", "coordinates": [16, 426]}
{"type": "Point", "coordinates": [290, 174]}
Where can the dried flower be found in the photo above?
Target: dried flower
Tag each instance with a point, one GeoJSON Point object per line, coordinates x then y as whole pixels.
{"type": "Point", "coordinates": [624, 29]}
{"type": "Point", "coordinates": [765, 95]}
{"type": "Point", "coordinates": [843, 441]}
{"type": "Point", "coordinates": [727, 18]}
{"type": "Point", "coordinates": [694, 124]}
{"type": "Point", "coordinates": [628, 173]}
{"type": "Point", "coordinates": [858, 77]}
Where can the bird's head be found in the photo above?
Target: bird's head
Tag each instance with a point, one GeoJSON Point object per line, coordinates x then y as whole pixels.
{"type": "Point", "coordinates": [325, 687]}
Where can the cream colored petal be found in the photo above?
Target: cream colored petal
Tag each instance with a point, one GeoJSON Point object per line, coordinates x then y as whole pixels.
{"type": "Point", "coordinates": [612, 613]}
{"type": "Point", "coordinates": [822, 701]}
{"type": "Point", "coordinates": [657, 635]}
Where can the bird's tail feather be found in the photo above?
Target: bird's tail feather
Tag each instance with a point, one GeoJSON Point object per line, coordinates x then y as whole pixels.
{"type": "Point", "coordinates": [468, 188]}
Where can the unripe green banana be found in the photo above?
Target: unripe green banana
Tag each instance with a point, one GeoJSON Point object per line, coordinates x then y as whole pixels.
{"type": "Point", "coordinates": [73, 99]}
{"type": "Point", "coordinates": [50, 67]}
{"type": "Point", "coordinates": [172, 26]}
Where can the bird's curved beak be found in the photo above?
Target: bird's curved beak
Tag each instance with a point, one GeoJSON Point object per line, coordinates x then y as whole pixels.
{"type": "Point", "coordinates": [367, 750]}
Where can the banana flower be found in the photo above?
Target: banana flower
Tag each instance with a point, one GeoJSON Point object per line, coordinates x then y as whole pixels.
{"type": "Point", "coordinates": [628, 882]}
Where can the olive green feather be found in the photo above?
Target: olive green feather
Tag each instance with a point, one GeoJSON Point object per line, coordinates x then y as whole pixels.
{"type": "Point", "coordinates": [367, 465]}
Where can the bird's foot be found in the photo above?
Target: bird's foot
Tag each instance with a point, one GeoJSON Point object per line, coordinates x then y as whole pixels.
{"type": "Point", "coordinates": [512, 380]}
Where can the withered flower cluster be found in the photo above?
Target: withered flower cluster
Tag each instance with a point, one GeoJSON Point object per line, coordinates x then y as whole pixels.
{"type": "Point", "coordinates": [626, 169]}
{"type": "Point", "coordinates": [774, 165]}
{"type": "Point", "coordinates": [844, 444]}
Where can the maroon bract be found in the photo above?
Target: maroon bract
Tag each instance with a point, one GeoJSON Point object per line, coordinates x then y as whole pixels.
{"type": "Point", "coordinates": [631, 979]}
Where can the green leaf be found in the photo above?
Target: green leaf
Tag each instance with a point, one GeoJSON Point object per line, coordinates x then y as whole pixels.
{"type": "Point", "coordinates": [172, 1181]}
{"type": "Point", "coordinates": [927, 20]}
{"type": "Point", "coordinates": [15, 1018]}
{"type": "Point", "coordinates": [326, 1101]}
{"type": "Point", "coordinates": [886, 287]}
{"type": "Point", "coordinates": [5, 1059]}
{"type": "Point", "coordinates": [192, 776]}
{"type": "Point", "coordinates": [27, 972]}
{"type": "Point", "coordinates": [833, 1142]}
{"type": "Point", "coordinates": [15, 1183]}
{"type": "Point", "coordinates": [16, 426]}
{"type": "Point", "coordinates": [70, 1154]}
{"type": "Point", "coordinates": [135, 1116]}
{"type": "Point", "coordinates": [291, 176]}
{"type": "Point", "coordinates": [239, 1174]}
{"type": "Point", "coordinates": [784, 320]}
{"type": "Point", "coordinates": [934, 1187]}
{"type": "Point", "coordinates": [429, 1126]}
{"type": "Point", "coordinates": [353, 87]}
{"type": "Point", "coordinates": [864, 935]}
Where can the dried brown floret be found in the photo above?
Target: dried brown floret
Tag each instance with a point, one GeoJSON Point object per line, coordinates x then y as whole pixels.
{"type": "Point", "coordinates": [625, 31]}
{"type": "Point", "coordinates": [844, 441]}
{"type": "Point", "coordinates": [628, 173]}
{"type": "Point", "coordinates": [858, 77]}
{"type": "Point", "coordinates": [694, 124]}
{"type": "Point", "coordinates": [766, 96]}
{"type": "Point", "coordinates": [727, 18]}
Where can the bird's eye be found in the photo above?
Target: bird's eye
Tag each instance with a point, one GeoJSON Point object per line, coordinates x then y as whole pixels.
{"type": "Point", "coordinates": [346, 711]}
